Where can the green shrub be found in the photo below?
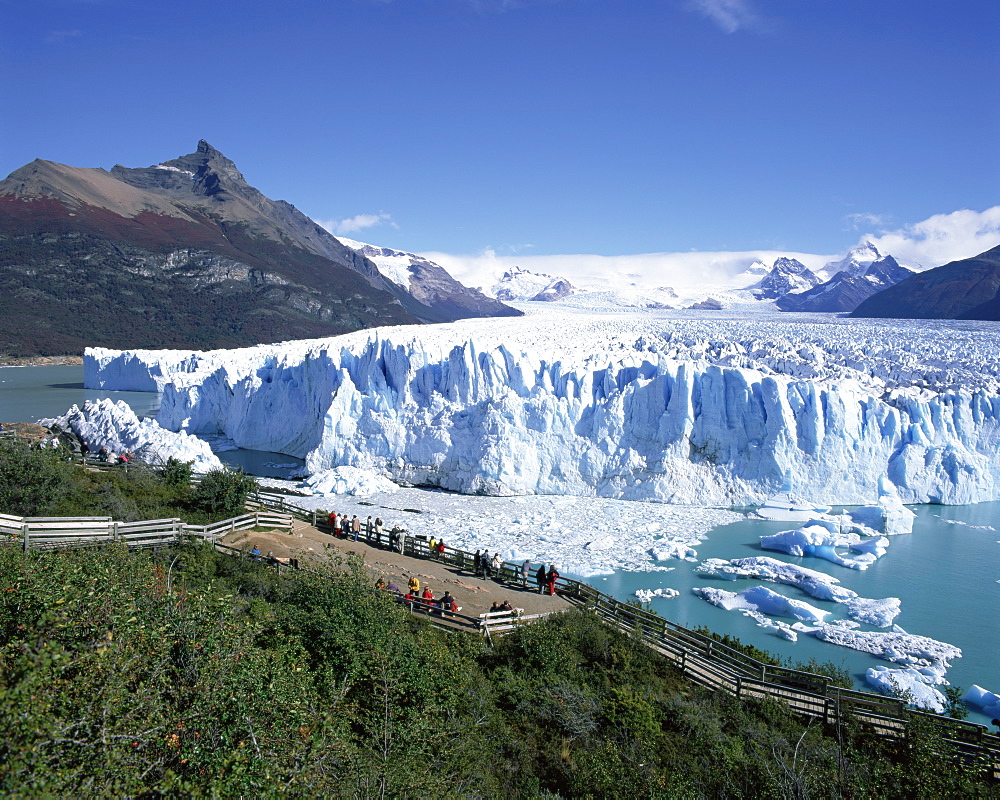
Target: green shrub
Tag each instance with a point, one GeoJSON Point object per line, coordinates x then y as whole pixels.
{"type": "Point", "coordinates": [224, 492]}
{"type": "Point", "coordinates": [30, 480]}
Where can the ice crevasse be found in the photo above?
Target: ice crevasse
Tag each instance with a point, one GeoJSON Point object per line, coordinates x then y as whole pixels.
{"type": "Point", "coordinates": [634, 424]}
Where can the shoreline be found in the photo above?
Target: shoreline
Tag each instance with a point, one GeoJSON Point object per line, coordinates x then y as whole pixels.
{"type": "Point", "coordinates": [41, 361]}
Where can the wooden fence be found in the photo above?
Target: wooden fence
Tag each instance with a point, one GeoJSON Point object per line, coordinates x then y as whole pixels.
{"type": "Point", "coordinates": [70, 532]}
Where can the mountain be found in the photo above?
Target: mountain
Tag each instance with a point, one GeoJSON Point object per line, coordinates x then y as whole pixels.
{"type": "Point", "coordinates": [786, 275]}
{"type": "Point", "coordinates": [429, 282]}
{"type": "Point", "coordinates": [863, 273]}
{"type": "Point", "coordinates": [966, 289]}
{"type": "Point", "coordinates": [521, 284]}
{"type": "Point", "coordinates": [185, 253]}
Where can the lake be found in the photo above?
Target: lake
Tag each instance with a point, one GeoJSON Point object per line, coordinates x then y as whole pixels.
{"type": "Point", "coordinates": [947, 572]}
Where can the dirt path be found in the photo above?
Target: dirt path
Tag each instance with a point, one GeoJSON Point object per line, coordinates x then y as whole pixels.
{"type": "Point", "coordinates": [475, 595]}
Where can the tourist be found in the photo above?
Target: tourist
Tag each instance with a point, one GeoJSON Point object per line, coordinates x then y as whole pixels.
{"type": "Point", "coordinates": [355, 526]}
{"type": "Point", "coordinates": [345, 527]}
{"type": "Point", "coordinates": [497, 566]}
{"type": "Point", "coordinates": [369, 528]}
{"type": "Point", "coordinates": [428, 598]}
{"type": "Point", "coordinates": [378, 530]}
{"type": "Point", "coordinates": [540, 578]}
{"type": "Point", "coordinates": [477, 561]}
{"type": "Point", "coordinates": [414, 585]}
{"type": "Point", "coordinates": [506, 606]}
{"type": "Point", "coordinates": [84, 451]}
{"type": "Point", "coordinates": [484, 562]}
{"type": "Point", "coordinates": [439, 554]}
{"type": "Point", "coordinates": [447, 603]}
{"type": "Point", "coordinates": [551, 578]}
{"type": "Point", "coordinates": [432, 546]}
{"type": "Point", "coordinates": [525, 571]}
{"type": "Point", "coordinates": [495, 608]}
{"type": "Point", "coordinates": [255, 553]}
{"type": "Point", "coordinates": [380, 583]}
{"type": "Point", "coordinates": [334, 522]}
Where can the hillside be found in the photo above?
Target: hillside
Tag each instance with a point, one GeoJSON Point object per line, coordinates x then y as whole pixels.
{"type": "Point", "coordinates": [185, 253]}
{"type": "Point", "coordinates": [966, 289]}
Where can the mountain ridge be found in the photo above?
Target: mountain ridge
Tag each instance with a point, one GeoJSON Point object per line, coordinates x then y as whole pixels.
{"type": "Point", "coordinates": [80, 244]}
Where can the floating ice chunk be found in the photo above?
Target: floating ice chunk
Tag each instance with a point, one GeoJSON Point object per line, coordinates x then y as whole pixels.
{"type": "Point", "coordinates": [915, 685]}
{"type": "Point", "coordinates": [879, 613]}
{"type": "Point", "coordinates": [987, 702]}
{"type": "Point", "coordinates": [662, 550]}
{"type": "Point", "coordinates": [645, 595]}
{"type": "Point", "coordinates": [819, 541]}
{"type": "Point", "coordinates": [900, 648]}
{"type": "Point", "coordinates": [105, 423]}
{"type": "Point", "coordinates": [764, 601]}
{"type": "Point", "coordinates": [348, 480]}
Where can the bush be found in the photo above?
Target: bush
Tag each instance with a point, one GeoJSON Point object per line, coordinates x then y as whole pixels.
{"type": "Point", "coordinates": [29, 479]}
{"type": "Point", "coordinates": [224, 491]}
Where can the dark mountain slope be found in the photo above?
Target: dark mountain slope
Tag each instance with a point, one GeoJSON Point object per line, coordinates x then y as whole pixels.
{"type": "Point", "coordinates": [183, 254]}
{"type": "Point", "coordinates": [965, 289]}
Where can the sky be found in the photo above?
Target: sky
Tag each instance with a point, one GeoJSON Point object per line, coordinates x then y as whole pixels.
{"type": "Point", "coordinates": [541, 129]}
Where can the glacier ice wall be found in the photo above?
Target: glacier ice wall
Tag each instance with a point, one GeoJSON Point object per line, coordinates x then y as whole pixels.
{"type": "Point", "coordinates": [636, 418]}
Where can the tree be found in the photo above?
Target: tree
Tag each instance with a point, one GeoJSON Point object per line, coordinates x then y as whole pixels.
{"type": "Point", "coordinates": [224, 491]}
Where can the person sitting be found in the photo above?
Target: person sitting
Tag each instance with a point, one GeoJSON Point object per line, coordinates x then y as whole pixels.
{"type": "Point", "coordinates": [380, 584]}
{"type": "Point", "coordinates": [506, 606]}
{"type": "Point", "coordinates": [495, 608]}
{"type": "Point", "coordinates": [428, 597]}
{"type": "Point", "coordinates": [255, 553]}
{"type": "Point", "coordinates": [448, 604]}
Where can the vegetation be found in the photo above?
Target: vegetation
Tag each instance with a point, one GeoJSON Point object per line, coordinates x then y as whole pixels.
{"type": "Point", "coordinates": [194, 673]}
{"type": "Point", "coordinates": [43, 483]}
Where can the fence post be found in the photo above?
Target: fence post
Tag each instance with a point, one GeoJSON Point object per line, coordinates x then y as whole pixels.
{"type": "Point", "coordinates": [24, 536]}
{"type": "Point", "coordinates": [114, 532]}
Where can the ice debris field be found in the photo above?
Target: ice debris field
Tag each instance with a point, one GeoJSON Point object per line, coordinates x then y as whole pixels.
{"type": "Point", "coordinates": [550, 424]}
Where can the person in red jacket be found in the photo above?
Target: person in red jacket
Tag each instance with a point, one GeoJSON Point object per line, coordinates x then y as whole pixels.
{"type": "Point", "coordinates": [551, 579]}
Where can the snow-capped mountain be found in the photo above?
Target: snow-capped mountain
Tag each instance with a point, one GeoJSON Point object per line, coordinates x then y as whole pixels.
{"type": "Point", "coordinates": [856, 262]}
{"type": "Point", "coordinates": [848, 288]}
{"type": "Point", "coordinates": [428, 282]}
{"type": "Point", "coordinates": [786, 275]}
{"type": "Point", "coordinates": [519, 284]}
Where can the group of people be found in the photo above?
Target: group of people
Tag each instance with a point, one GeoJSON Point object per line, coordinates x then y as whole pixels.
{"type": "Point", "coordinates": [344, 527]}
{"type": "Point", "coordinates": [415, 598]}
{"type": "Point", "coordinates": [104, 455]}
{"type": "Point", "coordinates": [489, 567]}
{"type": "Point", "coordinates": [484, 564]}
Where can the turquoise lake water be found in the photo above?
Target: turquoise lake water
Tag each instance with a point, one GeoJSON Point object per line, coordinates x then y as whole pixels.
{"type": "Point", "coordinates": [947, 572]}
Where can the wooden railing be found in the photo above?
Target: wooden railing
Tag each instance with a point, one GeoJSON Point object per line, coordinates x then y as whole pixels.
{"type": "Point", "coordinates": [70, 532]}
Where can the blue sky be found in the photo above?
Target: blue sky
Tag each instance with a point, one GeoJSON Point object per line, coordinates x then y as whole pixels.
{"type": "Point", "coordinates": [533, 127]}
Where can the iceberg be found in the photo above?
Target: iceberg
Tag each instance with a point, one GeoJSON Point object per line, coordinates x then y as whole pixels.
{"type": "Point", "coordinates": [764, 601]}
{"type": "Point", "coordinates": [818, 540]}
{"type": "Point", "coordinates": [915, 685]}
{"type": "Point", "coordinates": [105, 423]}
{"type": "Point", "coordinates": [638, 406]}
{"type": "Point", "coordinates": [645, 595]}
{"type": "Point", "coordinates": [879, 613]}
{"type": "Point", "coordinates": [347, 480]}
{"type": "Point", "coordinates": [987, 702]}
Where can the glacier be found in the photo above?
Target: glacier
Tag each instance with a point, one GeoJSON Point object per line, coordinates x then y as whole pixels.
{"type": "Point", "coordinates": [666, 406]}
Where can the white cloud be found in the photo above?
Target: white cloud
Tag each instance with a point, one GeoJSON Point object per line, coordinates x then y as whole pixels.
{"type": "Point", "coordinates": [942, 238]}
{"type": "Point", "coordinates": [358, 222]}
{"type": "Point", "coordinates": [729, 15]}
{"type": "Point", "coordinates": [857, 222]}
{"type": "Point", "coordinates": [691, 272]}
